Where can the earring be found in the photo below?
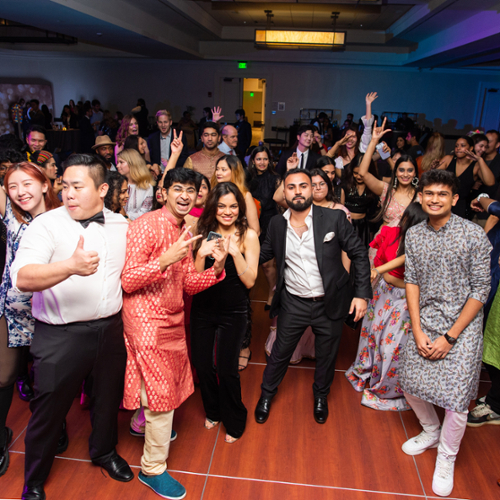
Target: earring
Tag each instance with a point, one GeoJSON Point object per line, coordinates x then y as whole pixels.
{"type": "Point", "coordinates": [395, 182]}
{"type": "Point", "coordinates": [414, 182]}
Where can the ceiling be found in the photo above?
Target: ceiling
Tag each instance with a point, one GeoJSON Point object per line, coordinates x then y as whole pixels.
{"type": "Point", "coordinates": [415, 33]}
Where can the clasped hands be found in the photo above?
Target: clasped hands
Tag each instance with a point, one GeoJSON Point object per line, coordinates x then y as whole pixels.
{"type": "Point", "coordinates": [431, 350]}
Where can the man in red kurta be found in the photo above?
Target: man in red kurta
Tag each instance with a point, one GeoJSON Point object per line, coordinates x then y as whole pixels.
{"type": "Point", "coordinates": [158, 268]}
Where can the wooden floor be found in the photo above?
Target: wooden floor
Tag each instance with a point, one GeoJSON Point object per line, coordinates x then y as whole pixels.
{"type": "Point", "coordinates": [356, 455]}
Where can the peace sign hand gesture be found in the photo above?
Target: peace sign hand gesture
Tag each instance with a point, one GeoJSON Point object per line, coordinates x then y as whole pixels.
{"type": "Point", "coordinates": [178, 250]}
{"type": "Point", "coordinates": [177, 145]}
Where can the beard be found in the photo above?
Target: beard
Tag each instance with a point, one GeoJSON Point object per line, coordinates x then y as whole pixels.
{"type": "Point", "coordinates": [299, 206]}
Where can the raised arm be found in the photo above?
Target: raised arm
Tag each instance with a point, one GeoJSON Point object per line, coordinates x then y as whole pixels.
{"type": "Point", "coordinates": [3, 201]}
{"type": "Point", "coordinates": [370, 97]}
{"type": "Point", "coordinates": [252, 214]}
{"type": "Point", "coordinates": [375, 185]}
{"type": "Point", "coordinates": [176, 148]}
{"type": "Point", "coordinates": [481, 169]}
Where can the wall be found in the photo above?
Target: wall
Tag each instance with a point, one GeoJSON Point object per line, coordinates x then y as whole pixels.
{"type": "Point", "coordinates": [445, 99]}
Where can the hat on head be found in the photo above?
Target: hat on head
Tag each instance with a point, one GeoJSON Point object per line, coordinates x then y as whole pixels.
{"type": "Point", "coordinates": [103, 140]}
{"type": "Point", "coordinates": [42, 157]}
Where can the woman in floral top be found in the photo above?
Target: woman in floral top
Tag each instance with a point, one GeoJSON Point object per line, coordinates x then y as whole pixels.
{"type": "Point", "coordinates": [29, 194]}
{"type": "Point", "coordinates": [386, 325]}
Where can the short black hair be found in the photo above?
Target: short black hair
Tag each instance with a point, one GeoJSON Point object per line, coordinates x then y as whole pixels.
{"type": "Point", "coordinates": [36, 101]}
{"type": "Point", "coordinates": [415, 133]}
{"type": "Point", "coordinates": [297, 171]}
{"type": "Point", "coordinates": [240, 112]}
{"type": "Point", "coordinates": [493, 131]}
{"type": "Point", "coordinates": [10, 141]}
{"type": "Point", "coordinates": [11, 155]}
{"type": "Point", "coordinates": [182, 176]}
{"type": "Point", "coordinates": [306, 128]}
{"type": "Point", "coordinates": [95, 102]}
{"type": "Point", "coordinates": [209, 125]}
{"type": "Point", "coordinates": [37, 128]}
{"type": "Point", "coordinates": [141, 102]}
{"type": "Point", "coordinates": [443, 177]}
{"type": "Point", "coordinates": [97, 170]}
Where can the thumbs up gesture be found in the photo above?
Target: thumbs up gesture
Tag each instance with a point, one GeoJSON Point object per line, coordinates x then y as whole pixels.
{"type": "Point", "coordinates": [82, 262]}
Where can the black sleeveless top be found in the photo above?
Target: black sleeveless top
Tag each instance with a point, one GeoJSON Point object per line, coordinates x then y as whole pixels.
{"type": "Point", "coordinates": [227, 294]}
{"type": "Point", "coordinates": [359, 203]}
{"type": "Point", "coordinates": [466, 181]}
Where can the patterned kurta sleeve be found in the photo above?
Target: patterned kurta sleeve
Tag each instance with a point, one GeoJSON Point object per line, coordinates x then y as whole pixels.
{"type": "Point", "coordinates": [410, 269]}
{"type": "Point", "coordinates": [480, 280]}
{"type": "Point", "coordinates": [195, 282]}
{"type": "Point", "coordinates": [140, 269]}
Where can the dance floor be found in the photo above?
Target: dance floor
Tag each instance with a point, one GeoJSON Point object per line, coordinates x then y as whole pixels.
{"type": "Point", "coordinates": [356, 455]}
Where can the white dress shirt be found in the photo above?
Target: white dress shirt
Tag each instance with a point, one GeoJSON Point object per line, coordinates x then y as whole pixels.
{"type": "Point", "coordinates": [224, 148]}
{"type": "Point", "coordinates": [165, 146]}
{"type": "Point", "coordinates": [302, 276]}
{"type": "Point", "coordinates": [301, 154]}
{"type": "Point", "coordinates": [53, 237]}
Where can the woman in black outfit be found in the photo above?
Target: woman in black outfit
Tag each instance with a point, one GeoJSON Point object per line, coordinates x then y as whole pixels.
{"type": "Point", "coordinates": [469, 168]}
{"type": "Point", "coordinates": [219, 315]}
{"type": "Point", "coordinates": [327, 164]}
{"type": "Point", "coordinates": [359, 200]}
{"type": "Point", "coordinates": [262, 182]}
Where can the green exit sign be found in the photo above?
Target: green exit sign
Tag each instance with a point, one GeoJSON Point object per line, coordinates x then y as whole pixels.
{"type": "Point", "coordinates": [242, 65]}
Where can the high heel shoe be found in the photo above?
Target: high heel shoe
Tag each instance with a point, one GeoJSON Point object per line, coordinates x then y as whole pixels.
{"type": "Point", "coordinates": [210, 424]}
{"type": "Point", "coordinates": [230, 439]}
{"type": "Point", "coordinates": [267, 307]}
{"type": "Point", "coordinates": [242, 367]}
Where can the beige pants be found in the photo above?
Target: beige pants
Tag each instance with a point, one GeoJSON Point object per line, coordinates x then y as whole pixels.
{"type": "Point", "coordinates": [156, 438]}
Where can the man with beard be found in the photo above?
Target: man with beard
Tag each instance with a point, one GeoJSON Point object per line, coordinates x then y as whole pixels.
{"type": "Point", "coordinates": [104, 150]}
{"type": "Point", "coordinates": [312, 287]}
{"type": "Point", "coordinates": [204, 161]}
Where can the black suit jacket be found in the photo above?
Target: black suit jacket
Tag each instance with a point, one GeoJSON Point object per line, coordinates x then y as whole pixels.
{"type": "Point", "coordinates": [336, 280]}
{"type": "Point", "coordinates": [155, 148]}
{"type": "Point", "coordinates": [312, 158]}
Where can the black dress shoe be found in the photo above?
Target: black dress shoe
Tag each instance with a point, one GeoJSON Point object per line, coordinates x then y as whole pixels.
{"type": "Point", "coordinates": [262, 410]}
{"type": "Point", "coordinates": [116, 467]}
{"type": "Point", "coordinates": [320, 410]}
{"type": "Point", "coordinates": [63, 442]}
{"type": "Point", "coordinates": [23, 386]}
{"type": "Point", "coordinates": [4, 451]}
{"type": "Point", "coordinates": [33, 493]}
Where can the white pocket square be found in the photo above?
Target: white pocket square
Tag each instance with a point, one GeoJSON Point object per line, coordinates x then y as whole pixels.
{"type": "Point", "coordinates": [329, 236]}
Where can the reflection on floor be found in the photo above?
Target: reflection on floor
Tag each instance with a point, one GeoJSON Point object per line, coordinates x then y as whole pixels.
{"type": "Point", "coordinates": [356, 455]}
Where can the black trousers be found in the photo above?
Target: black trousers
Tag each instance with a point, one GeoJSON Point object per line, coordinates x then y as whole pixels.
{"type": "Point", "coordinates": [216, 339]}
{"type": "Point", "coordinates": [295, 316]}
{"type": "Point", "coordinates": [493, 396]}
{"type": "Point", "coordinates": [63, 356]}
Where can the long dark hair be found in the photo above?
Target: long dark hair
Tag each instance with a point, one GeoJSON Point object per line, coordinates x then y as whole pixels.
{"type": "Point", "coordinates": [115, 182]}
{"type": "Point", "coordinates": [251, 162]}
{"type": "Point", "coordinates": [330, 195]}
{"type": "Point", "coordinates": [343, 148]}
{"type": "Point", "coordinates": [208, 219]}
{"type": "Point", "coordinates": [412, 215]}
{"type": "Point", "coordinates": [391, 189]}
{"type": "Point", "coordinates": [349, 183]}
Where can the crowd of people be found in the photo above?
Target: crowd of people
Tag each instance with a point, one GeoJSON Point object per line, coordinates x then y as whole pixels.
{"type": "Point", "coordinates": [127, 270]}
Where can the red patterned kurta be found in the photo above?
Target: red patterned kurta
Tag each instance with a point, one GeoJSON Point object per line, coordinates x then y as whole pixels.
{"type": "Point", "coordinates": [153, 313]}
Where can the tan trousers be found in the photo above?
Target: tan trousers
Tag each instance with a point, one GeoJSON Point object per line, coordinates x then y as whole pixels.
{"type": "Point", "coordinates": [156, 438]}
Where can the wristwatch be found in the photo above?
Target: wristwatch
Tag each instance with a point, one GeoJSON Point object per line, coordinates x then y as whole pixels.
{"type": "Point", "coordinates": [482, 195]}
{"type": "Point", "coordinates": [450, 340]}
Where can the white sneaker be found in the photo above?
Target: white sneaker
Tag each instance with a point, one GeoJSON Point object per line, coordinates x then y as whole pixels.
{"type": "Point", "coordinates": [442, 482]}
{"type": "Point", "coordinates": [420, 443]}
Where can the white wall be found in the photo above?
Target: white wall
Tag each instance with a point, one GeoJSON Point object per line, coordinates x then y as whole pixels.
{"type": "Point", "coordinates": [117, 83]}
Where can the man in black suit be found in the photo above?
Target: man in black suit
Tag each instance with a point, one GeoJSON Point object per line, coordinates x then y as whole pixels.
{"type": "Point", "coordinates": [313, 288]}
{"type": "Point", "coordinates": [307, 158]}
{"type": "Point", "coordinates": [159, 143]}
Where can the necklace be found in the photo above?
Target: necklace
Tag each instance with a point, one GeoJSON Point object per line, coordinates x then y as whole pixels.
{"type": "Point", "coordinates": [297, 227]}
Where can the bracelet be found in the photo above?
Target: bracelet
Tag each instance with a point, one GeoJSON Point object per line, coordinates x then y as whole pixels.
{"type": "Point", "coordinates": [482, 195]}
{"type": "Point", "coordinates": [241, 274]}
{"type": "Point", "coordinates": [376, 270]}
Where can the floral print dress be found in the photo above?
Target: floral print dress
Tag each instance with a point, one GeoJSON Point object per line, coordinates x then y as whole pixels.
{"type": "Point", "coordinates": [16, 306]}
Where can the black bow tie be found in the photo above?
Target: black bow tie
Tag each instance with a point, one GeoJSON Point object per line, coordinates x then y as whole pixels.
{"type": "Point", "coordinates": [98, 217]}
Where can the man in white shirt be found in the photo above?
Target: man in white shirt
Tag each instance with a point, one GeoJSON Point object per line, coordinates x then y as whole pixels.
{"type": "Point", "coordinates": [229, 141]}
{"type": "Point", "coordinates": [312, 287]}
{"type": "Point", "coordinates": [72, 258]}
